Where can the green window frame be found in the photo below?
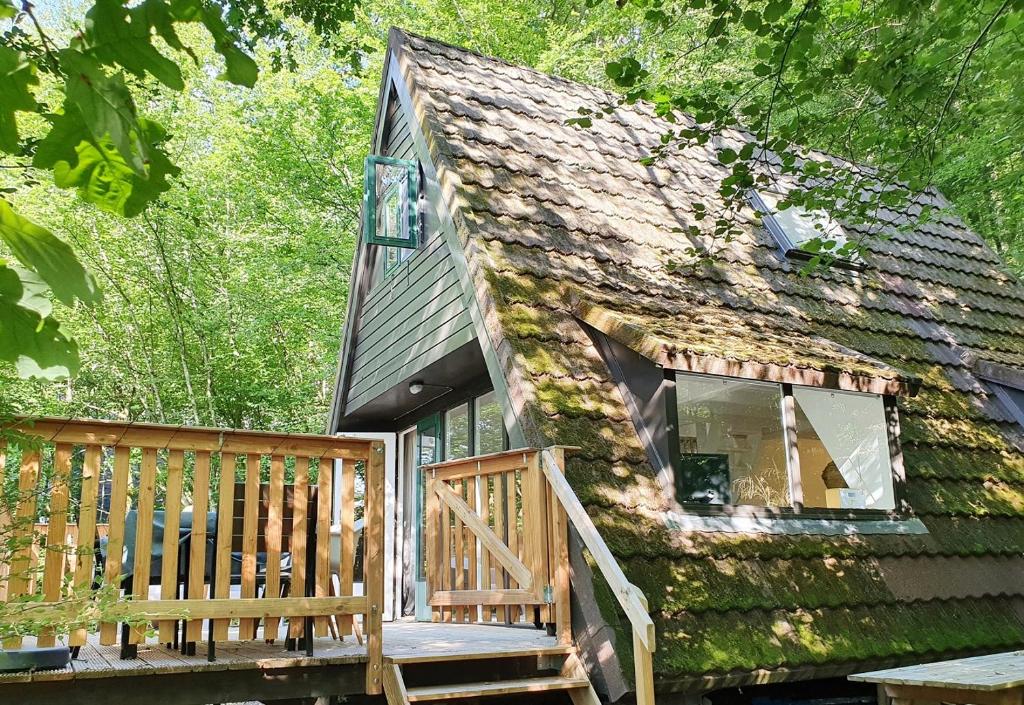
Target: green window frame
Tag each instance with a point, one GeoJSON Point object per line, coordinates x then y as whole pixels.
{"type": "Point", "coordinates": [407, 236]}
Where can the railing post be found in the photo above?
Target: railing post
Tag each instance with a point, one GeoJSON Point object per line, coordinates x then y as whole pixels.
{"type": "Point", "coordinates": [432, 537]}
{"type": "Point", "coordinates": [643, 662]}
{"type": "Point", "coordinates": [535, 550]}
{"type": "Point", "coordinates": [373, 526]}
{"type": "Point", "coordinates": [560, 558]}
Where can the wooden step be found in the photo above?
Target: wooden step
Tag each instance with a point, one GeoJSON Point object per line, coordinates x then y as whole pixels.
{"type": "Point", "coordinates": [479, 656]}
{"type": "Point", "coordinates": [474, 690]}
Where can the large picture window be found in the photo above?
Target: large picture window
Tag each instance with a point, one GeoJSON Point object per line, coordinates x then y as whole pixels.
{"type": "Point", "coordinates": [763, 444]}
{"type": "Point", "coordinates": [843, 445]}
{"type": "Point", "coordinates": [732, 442]}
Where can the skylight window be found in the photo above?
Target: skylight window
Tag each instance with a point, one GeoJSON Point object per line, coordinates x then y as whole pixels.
{"type": "Point", "coordinates": [1007, 383]}
{"type": "Point", "coordinates": [803, 234]}
{"type": "Point", "coordinates": [1012, 398]}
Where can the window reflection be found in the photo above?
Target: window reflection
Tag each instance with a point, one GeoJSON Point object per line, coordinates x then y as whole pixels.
{"type": "Point", "coordinates": [456, 433]}
{"type": "Point", "coordinates": [489, 424]}
{"type": "Point", "coordinates": [731, 442]}
{"type": "Point", "coordinates": [843, 445]}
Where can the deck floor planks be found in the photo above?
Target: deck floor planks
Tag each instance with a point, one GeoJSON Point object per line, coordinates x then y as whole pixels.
{"type": "Point", "coordinates": [402, 640]}
{"type": "Point", "coordinates": [91, 662]}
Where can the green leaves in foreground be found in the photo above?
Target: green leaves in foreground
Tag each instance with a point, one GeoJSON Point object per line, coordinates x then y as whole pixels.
{"type": "Point", "coordinates": [97, 144]}
{"type": "Point", "coordinates": [52, 259]}
{"type": "Point", "coordinates": [97, 168]}
{"type": "Point", "coordinates": [17, 75]}
{"type": "Point", "coordinates": [29, 336]}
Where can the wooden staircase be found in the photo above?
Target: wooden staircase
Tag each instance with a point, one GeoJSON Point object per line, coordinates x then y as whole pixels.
{"type": "Point", "coordinates": [496, 536]}
{"type": "Point", "coordinates": [529, 671]}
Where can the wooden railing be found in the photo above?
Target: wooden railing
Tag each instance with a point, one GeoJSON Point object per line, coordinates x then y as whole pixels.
{"type": "Point", "coordinates": [492, 550]}
{"type": "Point", "coordinates": [630, 597]}
{"type": "Point", "coordinates": [145, 469]}
{"type": "Point", "coordinates": [497, 548]}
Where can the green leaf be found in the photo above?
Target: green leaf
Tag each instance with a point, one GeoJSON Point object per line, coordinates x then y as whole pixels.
{"type": "Point", "coordinates": [97, 169]}
{"type": "Point", "coordinates": [122, 36]}
{"type": "Point", "coordinates": [33, 292]}
{"type": "Point", "coordinates": [33, 342]}
{"type": "Point", "coordinates": [752, 20]}
{"type": "Point", "coordinates": [240, 68]}
{"type": "Point", "coordinates": [727, 155]}
{"type": "Point", "coordinates": [17, 73]}
{"type": "Point", "coordinates": [7, 10]}
{"type": "Point", "coordinates": [776, 9]}
{"type": "Point", "coordinates": [53, 260]}
{"type": "Point", "coordinates": [105, 104]}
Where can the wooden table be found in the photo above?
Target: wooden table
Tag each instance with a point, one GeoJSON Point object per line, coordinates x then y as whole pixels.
{"type": "Point", "coordinates": [997, 679]}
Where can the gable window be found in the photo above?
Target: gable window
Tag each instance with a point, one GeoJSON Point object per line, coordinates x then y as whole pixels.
{"type": "Point", "coordinates": [771, 445]}
{"type": "Point", "coordinates": [391, 208]}
{"type": "Point", "coordinates": [804, 234]}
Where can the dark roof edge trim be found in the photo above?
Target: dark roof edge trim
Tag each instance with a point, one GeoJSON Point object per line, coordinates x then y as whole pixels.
{"type": "Point", "coordinates": [659, 352]}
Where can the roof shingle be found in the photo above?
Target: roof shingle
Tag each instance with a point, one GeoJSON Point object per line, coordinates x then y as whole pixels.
{"type": "Point", "coordinates": [544, 206]}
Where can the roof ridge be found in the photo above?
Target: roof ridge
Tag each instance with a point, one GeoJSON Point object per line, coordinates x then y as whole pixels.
{"type": "Point", "coordinates": [497, 59]}
{"type": "Point", "coordinates": [648, 110]}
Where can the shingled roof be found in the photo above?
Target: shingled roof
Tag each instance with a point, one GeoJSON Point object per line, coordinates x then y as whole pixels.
{"type": "Point", "coordinates": [550, 214]}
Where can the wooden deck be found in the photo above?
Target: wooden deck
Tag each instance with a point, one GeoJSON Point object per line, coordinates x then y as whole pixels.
{"type": "Point", "coordinates": [403, 641]}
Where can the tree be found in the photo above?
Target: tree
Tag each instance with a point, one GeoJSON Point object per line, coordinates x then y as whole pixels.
{"type": "Point", "coordinates": [223, 300]}
{"type": "Point", "coordinates": [92, 139]}
{"type": "Point", "coordinates": [923, 93]}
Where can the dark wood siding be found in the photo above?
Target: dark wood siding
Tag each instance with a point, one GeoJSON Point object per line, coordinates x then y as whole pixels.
{"type": "Point", "coordinates": [416, 315]}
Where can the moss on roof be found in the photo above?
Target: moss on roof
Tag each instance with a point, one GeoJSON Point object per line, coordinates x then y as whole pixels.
{"type": "Point", "coordinates": [548, 206]}
{"type": "Point", "coordinates": [703, 643]}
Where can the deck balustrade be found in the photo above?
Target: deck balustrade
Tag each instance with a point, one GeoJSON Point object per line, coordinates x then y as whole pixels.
{"type": "Point", "coordinates": [497, 529]}
{"type": "Point", "coordinates": [132, 539]}
{"type": "Point", "coordinates": [149, 533]}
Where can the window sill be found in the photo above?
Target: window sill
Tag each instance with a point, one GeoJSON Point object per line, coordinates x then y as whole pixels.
{"type": "Point", "coordinates": [820, 523]}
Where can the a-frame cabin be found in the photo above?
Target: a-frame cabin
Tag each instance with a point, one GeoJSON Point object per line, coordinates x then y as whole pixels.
{"type": "Point", "coordinates": [807, 476]}
{"type": "Point", "coordinates": [568, 467]}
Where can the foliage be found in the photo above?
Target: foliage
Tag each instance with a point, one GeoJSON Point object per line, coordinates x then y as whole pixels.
{"type": "Point", "coordinates": [93, 140]}
{"type": "Point", "coordinates": [230, 275]}
{"type": "Point", "coordinates": [223, 300]}
{"type": "Point", "coordinates": [923, 93]}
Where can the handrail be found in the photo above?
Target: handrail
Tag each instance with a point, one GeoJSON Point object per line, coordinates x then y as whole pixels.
{"type": "Point", "coordinates": [103, 432]}
{"type": "Point", "coordinates": [630, 597]}
{"type": "Point", "coordinates": [625, 591]}
{"type": "Point", "coordinates": [477, 465]}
